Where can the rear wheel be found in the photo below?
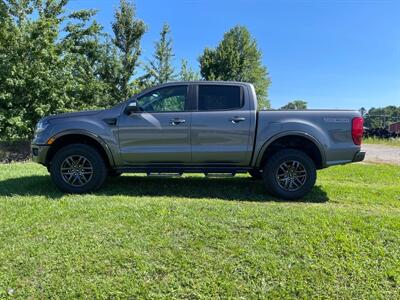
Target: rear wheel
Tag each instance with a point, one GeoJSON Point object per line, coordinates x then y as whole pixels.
{"type": "Point", "coordinates": [289, 174]}
{"type": "Point", "coordinates": [78, 168]}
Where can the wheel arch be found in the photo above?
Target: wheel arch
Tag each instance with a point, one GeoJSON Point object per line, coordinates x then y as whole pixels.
{"type": "Point", "coordinates": [80, 137]}
{"type": "Point", "coordinates": [295, 140]}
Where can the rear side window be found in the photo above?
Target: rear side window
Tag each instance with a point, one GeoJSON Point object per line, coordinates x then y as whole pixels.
{"type": "Point", "coordinates": [219, 97]}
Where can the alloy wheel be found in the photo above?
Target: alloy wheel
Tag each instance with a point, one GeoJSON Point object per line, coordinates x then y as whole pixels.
{"type": "Point", "coordinates": [291, 175]}
{"type": "Point", "coordinates": [76, 170]}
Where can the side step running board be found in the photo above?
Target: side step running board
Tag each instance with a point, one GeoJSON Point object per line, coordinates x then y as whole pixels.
{"type": "Point", "coordinates": [157, 174]}
{"type": "Point", "coordinates": [220, 174]}
{"type": "Point", "coordinates": [184, 169]}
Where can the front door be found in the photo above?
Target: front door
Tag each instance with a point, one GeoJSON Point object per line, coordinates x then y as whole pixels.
{"type": "Point", "coordinates": [220, 131]}
{"type": "Point", "coordinates": [160, 131]}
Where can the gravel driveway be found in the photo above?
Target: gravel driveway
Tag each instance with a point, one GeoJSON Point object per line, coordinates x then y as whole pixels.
{"type": "Point", "coordinates": [382, 153]}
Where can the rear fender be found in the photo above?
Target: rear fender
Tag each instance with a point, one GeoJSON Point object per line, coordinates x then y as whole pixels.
{"type": "Point", "coordinates": [259, 157]}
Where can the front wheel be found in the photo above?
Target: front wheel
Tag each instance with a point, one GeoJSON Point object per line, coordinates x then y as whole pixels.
{"type": "Point", "coordinates": [289, 174]}
{"type": "Point", "coordinates": [78, 168]}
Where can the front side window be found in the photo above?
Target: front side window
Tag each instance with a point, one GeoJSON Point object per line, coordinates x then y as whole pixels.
{"type": "Point", "coordinates": [167, 99]}
{"type": "Point", "coordinates": [219, 97]}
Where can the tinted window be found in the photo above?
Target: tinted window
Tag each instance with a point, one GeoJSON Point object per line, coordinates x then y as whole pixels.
{"type": "Point", "coordinates": [165, 99]}
{"type": "Point", "coordinates": [219, 97]}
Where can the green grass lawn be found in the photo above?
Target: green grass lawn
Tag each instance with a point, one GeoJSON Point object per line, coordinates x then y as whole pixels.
{"type": "Point", "coordinates": [389, 142]}
{"type": "Point", "coordinates": [195, 237]}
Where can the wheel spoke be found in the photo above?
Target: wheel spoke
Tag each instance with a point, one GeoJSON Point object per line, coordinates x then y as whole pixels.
{"type": "Point", "coordinates": [299, 181]}
{"type": "Point", "coordinates": [295, 183]}
{"type": "Point", "coordinates": [68, 177]}
{"type": "Point", "coordinates": [69, 161]}
{"type": "Point", "coordinates": [84, 161]}
{"type": "Point", "coordinates": [80, 180]}
{"type": "Point", "coordinates": [83, 179]}
{"type": "Point", "coordinates": [75, 178]}
{"type": "Point", "coordinates": [78, 160]}
{"type": "Point", "coordinates": [284, 167]}
{"type": "Point", "coordinates": [287, 182]}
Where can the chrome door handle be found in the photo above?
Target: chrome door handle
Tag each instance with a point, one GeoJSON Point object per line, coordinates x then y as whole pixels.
{"type": "Point", "coordinates": [177, 121]}
{"type": "Point", "coordinates": [237, 119]}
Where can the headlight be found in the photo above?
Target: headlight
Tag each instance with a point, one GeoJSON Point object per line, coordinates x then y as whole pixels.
{"type": "Point", "coordinates": [41, 126]}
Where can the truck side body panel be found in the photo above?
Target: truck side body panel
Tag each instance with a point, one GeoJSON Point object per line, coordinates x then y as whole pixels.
{"type": "Point", "coordinates": [206, 138]}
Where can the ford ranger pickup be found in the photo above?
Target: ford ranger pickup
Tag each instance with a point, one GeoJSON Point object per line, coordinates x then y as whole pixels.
{"type": "Point", "coordinates": [207, 127]}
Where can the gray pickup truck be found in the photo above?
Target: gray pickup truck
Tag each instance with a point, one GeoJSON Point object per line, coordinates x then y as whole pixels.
{"type": "Point", "coordinates": [199, 127]}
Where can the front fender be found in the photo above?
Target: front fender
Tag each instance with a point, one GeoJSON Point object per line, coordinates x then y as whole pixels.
{"type": "Point", "coordinates": [89, 134]}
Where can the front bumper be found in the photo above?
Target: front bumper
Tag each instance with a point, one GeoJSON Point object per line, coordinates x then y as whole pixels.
{"type": "Point", "coordinates": [359, 156]}
{"type": "Point", "coordinates": [39, 153]}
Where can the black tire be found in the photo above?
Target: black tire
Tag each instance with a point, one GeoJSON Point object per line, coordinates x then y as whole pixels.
{"type": "Point", "coordinates": [291, 184]}
{"type": "Point", "coordinates": [256, 174]}
{"type": "Point", "coordinates": [94, 164]}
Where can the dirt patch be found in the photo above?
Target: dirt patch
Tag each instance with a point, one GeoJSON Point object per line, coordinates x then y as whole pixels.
{"type": "Point", "coordinates": [382, 153]}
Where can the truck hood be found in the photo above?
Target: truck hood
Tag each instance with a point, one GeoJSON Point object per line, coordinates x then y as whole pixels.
{"type": "Point", "coordinates": [72, 114]}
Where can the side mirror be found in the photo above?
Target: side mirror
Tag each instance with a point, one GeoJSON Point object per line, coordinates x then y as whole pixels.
{"type": "Point", "coordinates": [132, 107]}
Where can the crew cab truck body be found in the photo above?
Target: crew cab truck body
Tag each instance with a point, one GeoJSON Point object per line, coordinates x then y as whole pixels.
{"type": "Point", "coordinates": [208, 127]}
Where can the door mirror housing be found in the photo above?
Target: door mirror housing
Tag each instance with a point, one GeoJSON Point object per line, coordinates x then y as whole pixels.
{"type": "Point", "coordinates": [132, 107]}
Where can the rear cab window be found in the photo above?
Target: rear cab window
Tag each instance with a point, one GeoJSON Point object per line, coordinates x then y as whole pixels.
{"type": "Point", "coordinates": [219, 97]}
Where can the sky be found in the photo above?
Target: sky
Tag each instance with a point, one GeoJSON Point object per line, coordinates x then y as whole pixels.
{"type": "Point", "coordinates": [330, 53]}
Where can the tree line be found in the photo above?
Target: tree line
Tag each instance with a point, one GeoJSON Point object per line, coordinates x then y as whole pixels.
{"type": "Point", "coordinates": [380, 117]}
{"type": "Point", "coordinates": [53, 60]}
{"type": "Point", "coordinates": [374, 118]}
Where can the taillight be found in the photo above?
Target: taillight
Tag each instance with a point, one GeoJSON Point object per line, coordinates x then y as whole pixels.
{"type": "Point", "coordinates": [357, 130]}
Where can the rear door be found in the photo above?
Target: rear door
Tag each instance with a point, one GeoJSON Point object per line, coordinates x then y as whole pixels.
{"type": "Point", "coordinates": [220, 131]}
{"type": "Point", "coordinates": [160, 132]}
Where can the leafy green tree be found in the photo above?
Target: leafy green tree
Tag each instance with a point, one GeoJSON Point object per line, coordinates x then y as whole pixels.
{"type": "Point", "coordinates": [381, 117]}
{"type": "Point", "coordinates": [296, 104]}
{"type": "Point", "coordinates": [186, 73]}
{"type": "Point", "coordinates": [238, 58]}
{"type": "Point", "coordinates": [33, 81]}
{"type": "Point", "coordinates": [110, 71]}
{"type": "Point", "coordinates": [160, 69]}
{"type": "Point", "coordinates": [46, 68]}
{"type": "Point", "coordinates": [128, 31]}
{"type": "Point", "coordinates": [86, 58]}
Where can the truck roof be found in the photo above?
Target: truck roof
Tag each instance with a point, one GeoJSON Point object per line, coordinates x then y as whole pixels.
{"type": "Point", "coordinates": [172, 83]}
{"type": "Point", "coordinates": [202, 82]}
